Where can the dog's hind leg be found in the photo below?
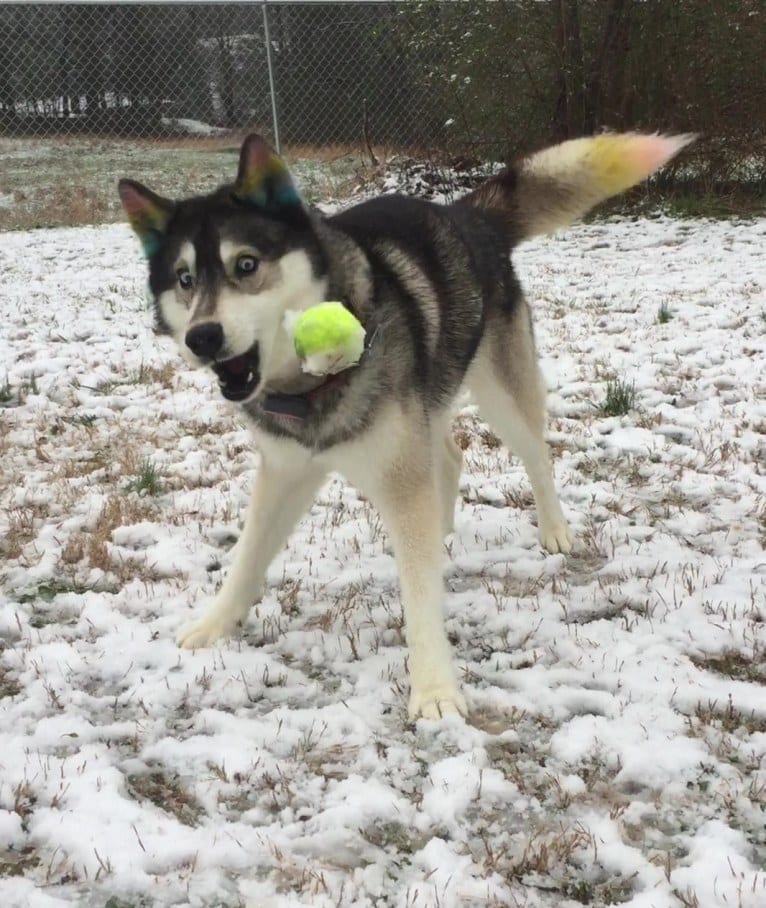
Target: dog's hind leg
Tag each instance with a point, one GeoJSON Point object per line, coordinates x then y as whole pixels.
{"type": "Point", "coordinates": [508, 387]}
{"type": "Point", "coordinates": [450, 468]}
{"type": "Point", "coordinates": [281, 494]}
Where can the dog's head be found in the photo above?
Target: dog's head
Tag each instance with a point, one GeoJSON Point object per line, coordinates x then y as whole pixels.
{"type": "Point", "coordinates": [225, 267]}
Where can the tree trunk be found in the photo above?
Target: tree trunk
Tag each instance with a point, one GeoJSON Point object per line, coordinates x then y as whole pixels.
{"type": "Point", "coordinates": [570, 105]}
{"type": "Point", "coordinates": [606, 95]}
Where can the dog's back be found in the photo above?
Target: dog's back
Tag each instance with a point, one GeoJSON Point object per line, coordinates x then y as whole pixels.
{"type": "Point", "coordinates": [435, 271]}
{"type": "Point", "coordinates": [440, 272]}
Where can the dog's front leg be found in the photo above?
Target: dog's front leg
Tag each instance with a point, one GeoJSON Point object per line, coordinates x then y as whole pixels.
{"type": "Point", "coordinates": [412, 509]}
{"type": "Point", "coordinates": [281, 494]}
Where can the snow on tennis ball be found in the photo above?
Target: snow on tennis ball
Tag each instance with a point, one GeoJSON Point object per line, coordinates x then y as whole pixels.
{"type": "Point", "coordinates": [327, 338]}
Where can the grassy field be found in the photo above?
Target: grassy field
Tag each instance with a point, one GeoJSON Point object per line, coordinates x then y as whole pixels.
{"type": "Point", "coordinates": [615, 750]}
{"type": "Point", "coordinates": [55, 182]}
{"type": "Point", "coordinates": [66, 182]}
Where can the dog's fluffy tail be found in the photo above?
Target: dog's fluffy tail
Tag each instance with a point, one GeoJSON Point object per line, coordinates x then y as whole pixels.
{"type": "Point", "coordinates": [556, 186]}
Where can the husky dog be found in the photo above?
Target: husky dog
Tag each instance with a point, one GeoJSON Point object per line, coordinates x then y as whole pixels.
{"type": "Point", "coordinates": [434, 288]}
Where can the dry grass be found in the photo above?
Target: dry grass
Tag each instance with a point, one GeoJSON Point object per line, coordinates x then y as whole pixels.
{"type": "Point", "coordinates": [9, 686]}
{"type": "Point", "coordinates": [553, 859]}
{"type": "Point", "coordinates": [166, 792]}
{"type": "Point", "coordinates": [22, 529]}
{"type": "Point", "coordinates": [71, 205]}
{"type": "Point", "coordinates": [163, 375]}
{"type": "Point", "coordinates": [734, 664]}
{"type": "Point", "coordinates": [92, 548]}
{"type": "Point", "coordinates": [544, 852]}
{"type": "Point", "coordinates": [74, 178]}
{"type": "Point", "coordinates": [79, 467]}
{"type": "Point", "coordinates": [339, 615]}
{"type": "Point", "coordinates": [18, 863]}
{"type": "Point", "coordinates": [326, 153]}
{"type": "Point", "coordinates": [727, 718]}
{"type": "Point", "coordinates": [538, 645]}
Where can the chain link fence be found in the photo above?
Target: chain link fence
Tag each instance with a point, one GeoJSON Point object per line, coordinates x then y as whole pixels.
{"type": "Point", "coordinates": [304, 73]}
{"type": "Point", "coordinates": [90, 92]}
{"type": "Point", "coordinates": [166, 91]}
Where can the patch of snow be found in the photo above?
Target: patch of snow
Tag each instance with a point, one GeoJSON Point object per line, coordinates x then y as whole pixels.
{"type": "Point", "coordinates": [194, 127]}
{"type": "Point", "coordinates": [616, 748]}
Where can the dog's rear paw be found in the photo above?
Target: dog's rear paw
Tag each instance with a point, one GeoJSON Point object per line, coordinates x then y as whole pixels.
{"type": "Point", "coordinates": [436, 703]}
{"type": "Point", "coordinates": [556, 537]}
{"type": "Point", "coordinates": [205, 632]}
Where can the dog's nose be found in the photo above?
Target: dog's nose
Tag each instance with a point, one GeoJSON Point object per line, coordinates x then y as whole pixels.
{"type": "Point", "coordinates": [205, 339]}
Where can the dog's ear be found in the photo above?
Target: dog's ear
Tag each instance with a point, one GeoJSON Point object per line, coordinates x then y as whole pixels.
{"type": "Point", "coordinates": [148, 213]}
{"type": "Point", "coordinates": [264, 182]}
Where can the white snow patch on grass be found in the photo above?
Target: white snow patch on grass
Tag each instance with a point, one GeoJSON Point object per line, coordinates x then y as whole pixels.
{"type": "Point", "coordinates": [617, 743]}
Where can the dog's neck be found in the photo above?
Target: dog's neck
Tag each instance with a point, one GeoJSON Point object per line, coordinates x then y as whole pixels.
{"type": "Point", "coordinates": [295, 404]}
{"type": "Point", "coordinates": [298, 405]}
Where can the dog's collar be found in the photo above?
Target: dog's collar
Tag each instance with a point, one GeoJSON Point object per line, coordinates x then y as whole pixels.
{"type": "Point", "coordinates": [298, 406]}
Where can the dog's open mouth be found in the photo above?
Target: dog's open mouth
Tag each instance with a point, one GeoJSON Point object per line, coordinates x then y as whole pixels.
{"type": "Point", "coordinates": [239, 376]}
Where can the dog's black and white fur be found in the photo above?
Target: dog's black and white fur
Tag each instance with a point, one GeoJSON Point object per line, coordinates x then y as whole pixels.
{"type": "Point", "coordinates": [435, 290]}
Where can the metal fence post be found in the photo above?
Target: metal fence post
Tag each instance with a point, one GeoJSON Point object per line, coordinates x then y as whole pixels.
{"type": "Point", "coordinates": [272, 91]}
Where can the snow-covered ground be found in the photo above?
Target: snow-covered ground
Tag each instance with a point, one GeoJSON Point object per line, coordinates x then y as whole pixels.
{"type": "Point", "coordinates": [194, 127]}
{"type": "Point", "coordinates": [616, 750]}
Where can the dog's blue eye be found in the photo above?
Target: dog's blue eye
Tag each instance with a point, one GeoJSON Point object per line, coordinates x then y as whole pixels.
{"type": "Point", "coordinates": [246, 264]}
{"type": "Point", "coordinates": [185, 278]}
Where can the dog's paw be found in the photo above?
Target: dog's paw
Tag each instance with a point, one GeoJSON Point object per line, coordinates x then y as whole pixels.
{"type": "Point", "coordinates": [556, 537]}
{"type": "Point", "coordinates": [205, 632]}
{"type": "Point", "coordinates": [436, 703]}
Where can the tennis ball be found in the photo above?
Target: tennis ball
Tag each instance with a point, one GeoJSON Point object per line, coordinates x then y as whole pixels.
{"type": "Point", "coordinates": [327, 338]}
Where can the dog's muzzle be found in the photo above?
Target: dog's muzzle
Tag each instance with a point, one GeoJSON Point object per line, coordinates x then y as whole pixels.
{"type": "Point", "coordinates": [238, 377]}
